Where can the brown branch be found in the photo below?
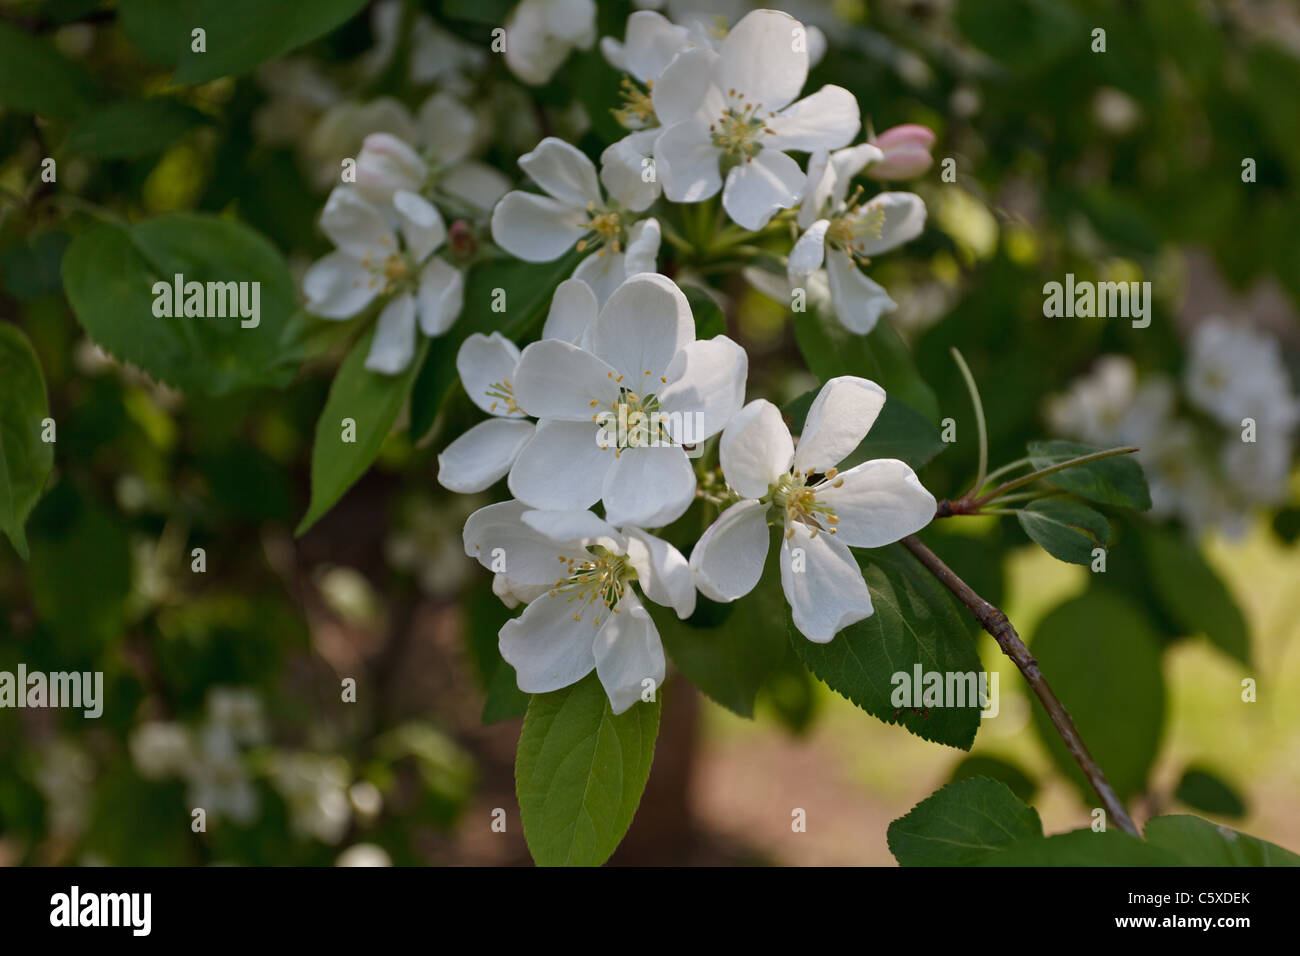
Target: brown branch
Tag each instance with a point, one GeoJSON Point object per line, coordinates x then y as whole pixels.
{"type": "Point", "coordinates": [996, 623]}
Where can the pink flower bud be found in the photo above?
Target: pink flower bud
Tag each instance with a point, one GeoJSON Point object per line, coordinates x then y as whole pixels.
{"type": "Point", "coordinates": [907, 152]}
{"type": "Point", "coordinates": [385, 165]}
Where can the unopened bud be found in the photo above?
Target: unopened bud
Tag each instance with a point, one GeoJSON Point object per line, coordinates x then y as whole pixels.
{"type": "Point", "coordinates": [907, 152]}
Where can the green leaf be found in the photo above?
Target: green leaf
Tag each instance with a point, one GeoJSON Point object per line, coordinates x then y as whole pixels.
{"type": "Point", "coordinates": [240, 34]}
{"type": "Point", "coordinates": [1193, 594]}
{"type": "Point", "coordinates": [1103, 662]}
{"type": "Point", "coordinates": [580, 771]}
{"type": "Point", "coordinates": [109, 273]}
{"type": "Point", "coordinates": [528, 289]}
{"type": "Point", "coordinates": [131, 128]}
{"type": "Point", "coordinates": [372, 401]}
{"type": "Point", "coordinates": [962, 823]}
{"type": "Point", "coordinates": [898, 432]}
{"type": "Point", "coordinates": [830, 350]}
{"type": "Point", "coordinates": [1067, 530]}
{"type": "Point", "coordinates": [1082, 848]}
{"type": "Point", "coordinates": [982, 765]}
{"type": "Point", "coordinates": [1110, 481]}
{"type": "Point", "coordinates": [730, 662]}
{"type": "Point", "coordinates": [1198, 842]}
{"type": "Point", "coordinates": [37, 79]}
{"type": "Point", "coordinates": [1205, 791]}
{"type": "Point", "coordinates": [915, 624]}
{"type": "Point", "coordinates": [25, 460]}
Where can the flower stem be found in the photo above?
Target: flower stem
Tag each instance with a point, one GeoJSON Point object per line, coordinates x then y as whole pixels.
{"type": "Point", "coordinates": [995, 622]}
{"type": "Point", "coordinates": [1051, 469]}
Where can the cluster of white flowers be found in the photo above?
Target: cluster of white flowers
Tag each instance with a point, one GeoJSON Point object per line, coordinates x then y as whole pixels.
{"type": "Point", "coordinates": [1207, 476]}
{"type": "Point", "coordinates": [209, 758]}
{"type": "Point", "coordinates": [614, 405]}
{"type": "Point", "coordinates": [708, 112]}
{"type": "Point", "coordinates": [637, 362]}
{"type": "Point", "coordinates": [215, 760]}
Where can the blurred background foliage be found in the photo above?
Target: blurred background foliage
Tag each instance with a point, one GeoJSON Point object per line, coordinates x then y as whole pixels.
{"type": "Point", "coordinates": [224, 688]}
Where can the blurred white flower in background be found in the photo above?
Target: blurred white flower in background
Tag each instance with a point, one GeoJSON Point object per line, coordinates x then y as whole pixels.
{"type": "Point", "coordinates": [1200, 471]}
{"type": "Point", "coordinates": [540, 35]}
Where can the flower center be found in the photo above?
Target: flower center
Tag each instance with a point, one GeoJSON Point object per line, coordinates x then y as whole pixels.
{"type": "Point", "coordinates": [638, 109]}
{"type": "Point", "coordinates": [503, 391]}
{"type": "Point", "coordinates": [737, 131]}
{"type": "Point", "coordinates": [633, 421]}
{"type": "Point", "coordinates": [796, 495]}
{"type": "Point", "coordinates": [388, 273]}
{"type": "Point", "coordinates": [601, 577]}
{"type": "Point", "coordinates": [607, 224]}
{"type": "Point", "coordinates": [848, 228]}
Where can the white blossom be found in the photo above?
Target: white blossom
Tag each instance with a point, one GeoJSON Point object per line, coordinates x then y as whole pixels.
{"type": "Point", "coordinates": [730, 116]}
{"type": "Point", "coordinates": [486, 363]}
{"type": "Point", "coordinates": [386, 253]}
{"type": "Point", "coordinates": [823, 512]}
{"type": "Point", "coordinates": [540, 228]}
{"type": "Point", "coordinates": [588, 579]}
{"type": "Point", "coordinates": [641, 375]}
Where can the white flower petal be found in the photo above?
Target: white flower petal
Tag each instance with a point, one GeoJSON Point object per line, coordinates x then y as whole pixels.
{"type": "Point", "coordinates": [548, 648]}
{"type": "Point", "coordinates": [706, 387]}
{"type": "Point", "coordinates": [840, 417]}
{"type": "Point", "coordinates": [355, 226]}
{"type": "Point", "coordinates": [561, 468]}
{"type": "Point", "coordinates": [809, 251]}
{"type": "Point", "coordinates": [386, 164]}
{"type": "Point", "coordinates": [662, 571]}
{"type": "Point", "coordinates": [421, 224]}
{"type": "Point", "coordinates": [758, 58]}
{"type": "Point", "coordinates": [337, 286]}
{"type": "Point", "coordinates": [564, 171]}
{"type": "Point", "coordinates": [485, 363]}
{"type": "Point", "coordinates": [829, 593]}
{"type": "Point", "coordinates": [817, 187]}
{"type": "Point", "coordinates": [576, 527]}
{"type": "Point", "coordinates": [686, 161]}
{"type": "Point", "coordinates": [573, 21]}
{"type": "Point", "coordinates": [555, 379]}
{"type": "Point", "coordinates": [393, 346]}
{"type": "Point", "coordinates": [756, 449]}
{"type": "Point", "coordinates": [652, 42]}
{"type": "Point", "coordinates": [648, 487]}
{"type": "Point", "coordinates": [629, 653]}
{"type": "Point", "coordinates": [847, 163]}
{"type": "Point", "coordinates": [685, 89]}
{"type": "Point", "coordinates": [859, 300]}
{"type": "Point", "coordinates": [625, 166]}
{"type": "Point", "coordinates": [447, 128]}
{"type": "Point", "coordinates": [645, 323]}
{"type": "Point", "coordinates": [573, 312]}
{"type": "Point", "coordinates": [756, 189]}
{"type": "Point", "coordinates": [536, 228]}
{"type": "Point", "coordinates": [602, 273]}
{"type": "Point", "coordinates": [828, 119]}
{"type": "Point", "coordinates": [879, 502]}
{"type": "Point", "coordinates": [441, 296]}
{"type": "Point", "coordinates": [904, 220]}
{"type": "Point", "coordinates": [642, 248]}
{"type": "Point", "coordinates": [498, 539]}
{"type": "Point", "coordinates": [482, 456]}
{"type": "Point", "coordinates": [728, 559]}
{"type": "Point", "coordinates": [615, 53]}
